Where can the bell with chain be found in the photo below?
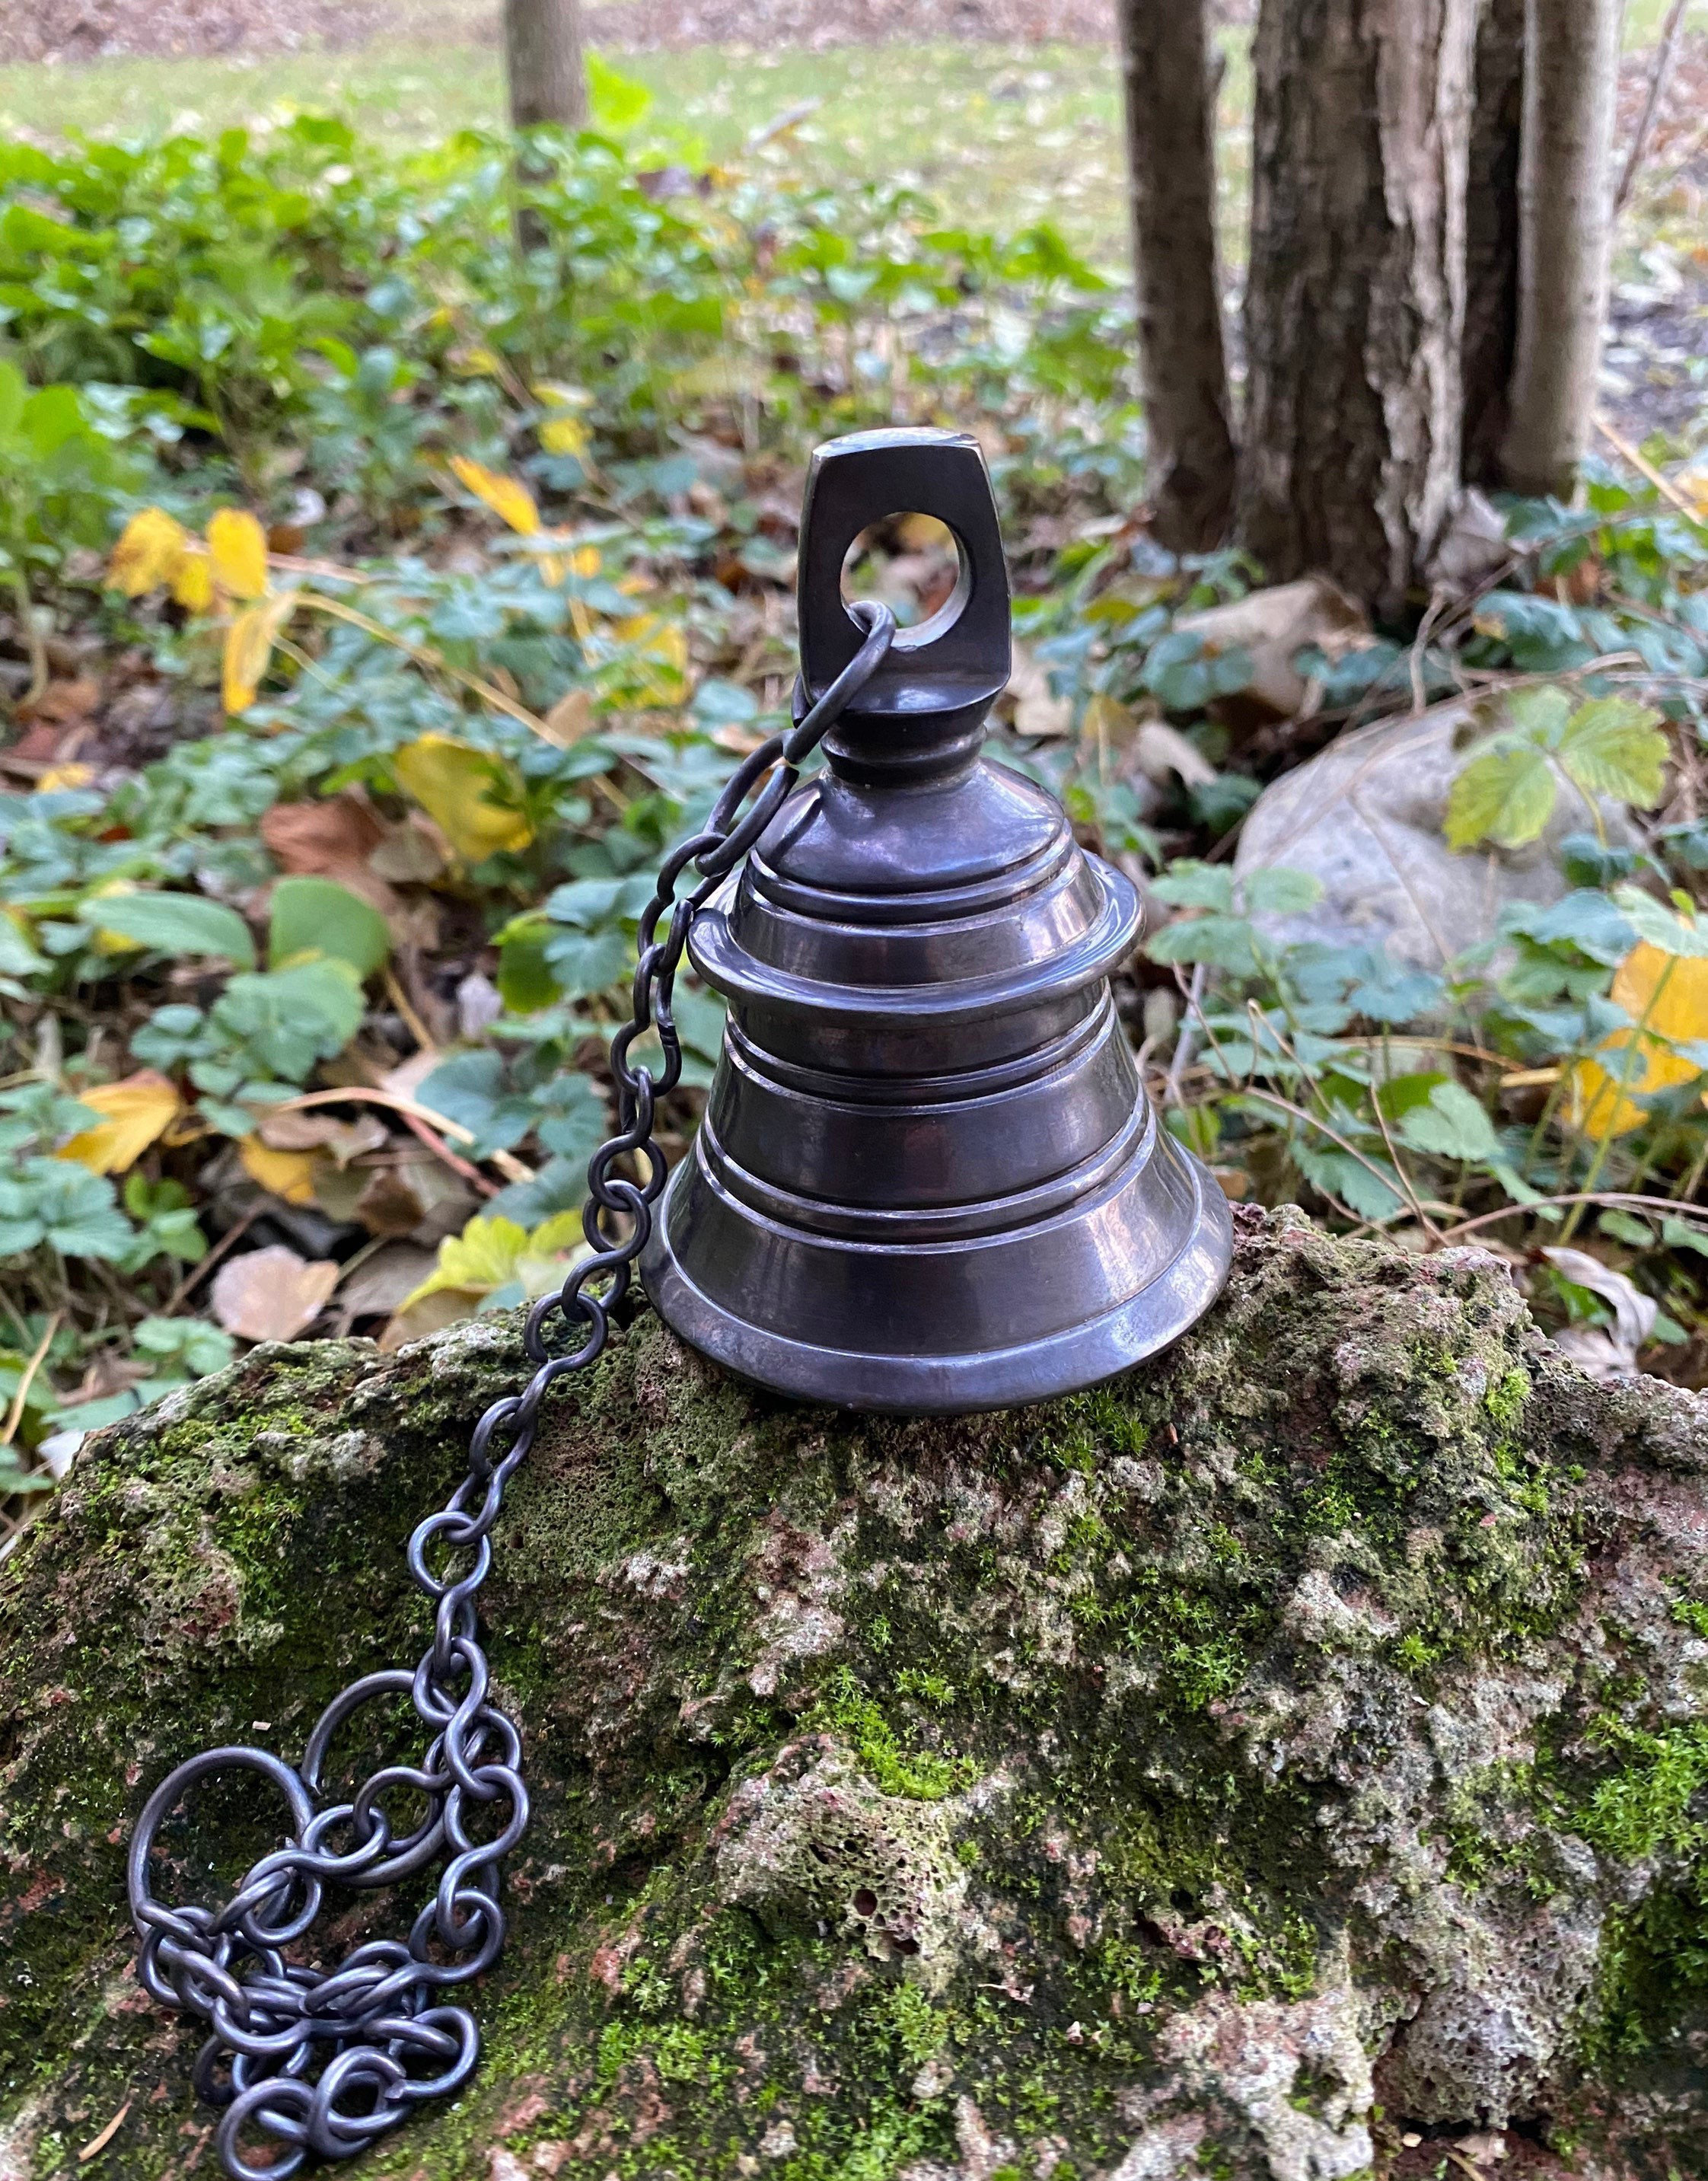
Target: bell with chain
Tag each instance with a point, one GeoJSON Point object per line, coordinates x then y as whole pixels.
{"type": "Point", "coordinates": [928, 1178]}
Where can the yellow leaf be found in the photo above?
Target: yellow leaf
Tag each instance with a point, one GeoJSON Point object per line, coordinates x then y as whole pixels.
{"type": "Point", "coordinates": [477, 362]}
{"type": "Point", "coordinates": [482, 1258]}
{"type": "Point", "coordinates": [455, 785]}
{"type": "Point", "coordinates": [1666, 994]}
{"type": "Point", "coordinates": [192, 577]}
{"type": "Point", "coordinates": [249, 645]}
{"type": "Point", "coordinates": [511, 501]}
{"type": "Point", "coordinates": [564, 435]}
{"type": "Point", "coordinates": [288, 1174]}
{"type": "Point", "coordinates": [133, 1114]}
{"type": "Point", "coordinates": [237, 545]}
{"type": "Point", "coordinates": [64, 775]}
{"type": "Point", "coordinates": [659, 642]}
{"type": "Point", "coordinates": [143, 559]}
{"type": "Point", "coordinates": [584, 561]}
{"type": "Point", "coordinates": [561, 1232]}
{"type": "Point", "coordinates": [113, 942]}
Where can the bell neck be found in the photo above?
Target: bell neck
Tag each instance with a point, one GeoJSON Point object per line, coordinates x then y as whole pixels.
{"type": "Point", "coordinates": [906, 746]}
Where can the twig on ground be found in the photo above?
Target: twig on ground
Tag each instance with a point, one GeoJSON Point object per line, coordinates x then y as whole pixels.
{"type": "Point", "coordinates": [1672, 1206]}
{"type": "Point", "coordinates": [1186, 1043]}
{"type": "Point", "coordinates": [14, 1415]}
{"type": "Point", "coordinates": [1645, 469]}
{"type": "Point", "coordinates": [193, 1277]}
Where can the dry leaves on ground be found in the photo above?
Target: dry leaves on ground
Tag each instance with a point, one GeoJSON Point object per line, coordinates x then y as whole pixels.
{"type": "Point", "coordinates": [272, 1294]}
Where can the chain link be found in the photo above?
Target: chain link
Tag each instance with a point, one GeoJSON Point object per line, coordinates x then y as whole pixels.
{"type": "Point", "coordinates": [325, 2062]}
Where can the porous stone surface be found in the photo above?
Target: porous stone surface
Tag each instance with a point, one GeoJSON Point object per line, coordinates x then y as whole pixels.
{"type": "Point", "coordinates": [1297, 1745]}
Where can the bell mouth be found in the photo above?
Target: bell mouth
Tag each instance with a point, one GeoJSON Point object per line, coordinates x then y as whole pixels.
{"type": "Point", "coordinates": [1023, 1362]}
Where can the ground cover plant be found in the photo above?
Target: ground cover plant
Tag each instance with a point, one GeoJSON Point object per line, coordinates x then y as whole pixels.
{"type": "Point", "coordinates": [380, 600]}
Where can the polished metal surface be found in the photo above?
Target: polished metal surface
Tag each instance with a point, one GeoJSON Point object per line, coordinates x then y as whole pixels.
{"type": "Point", "coordinates": [928, 1178]}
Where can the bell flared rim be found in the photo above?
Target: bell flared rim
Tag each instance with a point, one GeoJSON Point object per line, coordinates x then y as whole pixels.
{"type": "Point", "coordinates": [1039, 1368]}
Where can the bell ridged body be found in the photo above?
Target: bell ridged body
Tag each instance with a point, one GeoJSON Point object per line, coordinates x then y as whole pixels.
{"type": "Point", "coordinates": [928, 1178]}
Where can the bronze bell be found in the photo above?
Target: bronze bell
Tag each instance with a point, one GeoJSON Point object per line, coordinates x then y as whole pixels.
{"type": "Point", "coordinates": [928, 1178]}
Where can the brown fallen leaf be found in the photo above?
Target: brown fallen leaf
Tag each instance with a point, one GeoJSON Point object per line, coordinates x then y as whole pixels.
{"type": "Point", "coordinates": [381, 1285]}
{"type": "Point", "coordinates": [1158, 749]}
{"type": "Point", "coordinates": [419, 1197]}
{"type": "Point", "coordinates": [63, 703]}
{"type": "Point", "coordinates": [1604, 1351]}
{"type": "Point", "coordinates": [1271, 625]}
{"type": "Point", "coordinates": [272, 1293]}
{"type": "Point", "coordinates": [571, 719]}
{"type": "Point", "coordinates": [332, 840]}
{"type": "Point", "coordinates": [288, 1131]}
{"type": "Point", "coordinates": [414, 852]}
{"type": "Point", "coordinates": [98, 2144]}
{"type": "Point", "coordinates": [432, 1314]}
{"type": "Point", "coordinates": [1036, 713]}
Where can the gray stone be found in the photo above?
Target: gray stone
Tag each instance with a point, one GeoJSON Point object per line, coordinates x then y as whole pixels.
{"type": "Point", "coordinates": [1365, 816]}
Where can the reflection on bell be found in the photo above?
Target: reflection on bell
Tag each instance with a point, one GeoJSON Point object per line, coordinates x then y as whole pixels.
{"type": "Point", "coordinates": [928, 1178]}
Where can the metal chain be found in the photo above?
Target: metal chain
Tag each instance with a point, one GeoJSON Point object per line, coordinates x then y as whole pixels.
{"type": "Point", "coordinates": [325, 2062]}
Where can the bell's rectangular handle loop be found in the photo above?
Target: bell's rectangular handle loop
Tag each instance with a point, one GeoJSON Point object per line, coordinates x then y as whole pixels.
{"type": "Point", "coordinates": [962, 656]}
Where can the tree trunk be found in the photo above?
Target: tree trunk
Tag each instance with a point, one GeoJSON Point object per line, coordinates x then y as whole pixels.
{"type": "Point", "coordinates": [1112, 1787]}
{"type": "Point", "coordinates": [1355, 299]}
{"type": "Point", "coordinates": [1170, 149]}
{"type": "Point", "coordinates": [542, 56]}
{"type": "Point", "coordinates": [1571, 83]}
{"type": "Point", "coordinates": [1492, 238]}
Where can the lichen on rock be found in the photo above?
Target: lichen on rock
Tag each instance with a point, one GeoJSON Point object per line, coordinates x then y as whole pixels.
{"type": "Point", "coordinates": [1298, 1743]}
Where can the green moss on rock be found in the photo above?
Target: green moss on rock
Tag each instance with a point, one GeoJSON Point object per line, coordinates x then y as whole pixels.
{"type": "Point", "coordinates": [1301, 1739]}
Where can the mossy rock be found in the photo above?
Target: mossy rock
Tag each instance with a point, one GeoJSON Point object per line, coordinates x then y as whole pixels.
{"type": "Point", "coordinates": [1299, 1744]}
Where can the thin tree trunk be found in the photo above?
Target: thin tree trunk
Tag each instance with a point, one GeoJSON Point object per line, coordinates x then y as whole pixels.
{"type": "Point", "coordinates": [1170, 140]}
{"type": "Point", "coordinates": [1355, 301]}
{"type": "Point", "coordinates": [543, 55]}
{"type": "Point", "coordinates": [1570, 81]}
{"type": "Point", "coordinates": [1492, 238]}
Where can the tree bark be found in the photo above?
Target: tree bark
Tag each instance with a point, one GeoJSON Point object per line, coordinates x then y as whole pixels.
{"type": "Point", "coordinates": [1492, 238]}
{"type": "Point", "coordinates": [866, 1754]}
{"type": "Point", "coordinates": [1171, 150]}
{"type": "Point", "coordinates": [542, 56]}
{"type": "Point", "coordinates": [1355, 299]}
{"type": "Point", "coordinates": [1571, 82]}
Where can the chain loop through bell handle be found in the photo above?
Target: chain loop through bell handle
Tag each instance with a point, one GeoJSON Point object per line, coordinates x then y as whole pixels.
{"type": "Point", "coordinates": [324, 2063]}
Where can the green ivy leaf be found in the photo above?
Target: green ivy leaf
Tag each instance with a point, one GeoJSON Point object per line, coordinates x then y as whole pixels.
{"type": "Point", "coordinates": [1280, 892]}
{"type": "Point", "coordinates": [1615, 746]}
{"type": "Point", "coordinates": [1188, 885]}
{"type": "Point", "coordinates": [317, 916]}
{"type": "Point", "coordinates": [1224, 942]}
{"type": "Point", "coordinates": [470, 1089]}
{"type": "Point", "coordinates": [63, 1204]}
{"type": "Point", "coordinates": [1452, 1124]}
{"type": "Point", "coordinates": [1506, 796]}
{"type": "Point", "coordinates": [18, 957]}
{"type": "Point", "coordinates": [173, 923]}
{"type": "Point", "coordinates": [1662, 927]}
{"type": "Point", "coordinates": [1337, 1173]}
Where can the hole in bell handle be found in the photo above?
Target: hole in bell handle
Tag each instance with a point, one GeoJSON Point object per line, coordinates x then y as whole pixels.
{"type": "Point", "coordinates": [958, 663]}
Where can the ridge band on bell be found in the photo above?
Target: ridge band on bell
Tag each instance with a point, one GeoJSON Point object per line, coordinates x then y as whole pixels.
{"type": "Point", "coordinates": [928, 1178]}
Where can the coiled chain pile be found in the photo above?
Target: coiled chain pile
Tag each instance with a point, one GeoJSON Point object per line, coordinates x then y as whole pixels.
{"type": "Point", "coordinates": [324, 2062]}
